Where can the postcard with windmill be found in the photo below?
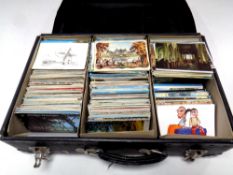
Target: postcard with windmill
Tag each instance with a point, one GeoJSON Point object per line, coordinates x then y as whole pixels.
{"type": "Point", "coordinates": [61, 54]}
{"type": "Point", "coordinates": [123, 55]}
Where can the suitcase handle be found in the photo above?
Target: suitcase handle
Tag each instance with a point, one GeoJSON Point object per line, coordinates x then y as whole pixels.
{"type": "Point", "coordinates": [146, 157]}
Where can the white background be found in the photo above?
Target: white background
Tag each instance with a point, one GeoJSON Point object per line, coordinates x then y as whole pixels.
{"type": "Point", "coordinates": [22, 20]}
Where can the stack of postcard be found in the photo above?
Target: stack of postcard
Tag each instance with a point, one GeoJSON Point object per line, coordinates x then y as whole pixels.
{"type": "Point", "coordinates": [182, 60]}
{"type": "Point", "coordinates": [119, 87]}
{"type": "Point", "coordinates": [119, 102]}
{"type": "Point", "coordinates": [185, 109]}
{"type": "Point", "coordinates": [53, 98]}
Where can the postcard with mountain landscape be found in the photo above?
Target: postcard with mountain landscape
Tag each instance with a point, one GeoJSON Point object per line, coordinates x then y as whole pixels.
{"type": "Point", "coordinates": [121, 55]}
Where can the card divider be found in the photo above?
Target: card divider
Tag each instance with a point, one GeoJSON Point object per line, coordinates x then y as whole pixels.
{"type": "Point", "coordinates": [86, 96]}
{"type": "Point", "coordinates": [152, 98]}
{"type": "Point", "coordinates": [86, 38]}
{"type": "Point", "coordinates": [85, 88]}
{"type": "Point", "coordinates": [178, 37]}
{"type": "Point", "coordinates": [118, 37]}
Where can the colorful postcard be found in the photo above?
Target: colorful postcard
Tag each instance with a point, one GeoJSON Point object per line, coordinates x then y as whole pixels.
{"type": "Point", "coordinates": [121, 55]}
{"type": "Point", "coordinates": [160, 87]}
{"type": "Point", "coordinates": [51, 123]}
{"type": "Point", "coordinates": [198, 94]}
{"type": "Point", "coordinates": [182, 56]}
{"type": "Point", "coordinates": [186, 119]}
{"type": "Point", "coordinates": [60, 54]}
{"type": "Point", "coordinates": [118, 126]}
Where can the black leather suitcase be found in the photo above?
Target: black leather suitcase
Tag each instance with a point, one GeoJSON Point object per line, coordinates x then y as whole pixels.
{"type": "Point", "coordinates": [117, 149]}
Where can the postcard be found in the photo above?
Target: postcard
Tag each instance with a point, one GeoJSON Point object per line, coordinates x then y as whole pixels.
{"type": "Point", "coordinates": [53, 92]}
{"type": "Point", "coordinates": [172, 73]}
{"type": "Point", "coordinates": [51, 123]}
{"type": "Point", "coordinates": [186, 119]}
{"type": "Point", "coordinates": [117, 99]}
{"type": "Point", "coordinates": [61, 55]}
{"type": "Point", "coordinates": [182, 56]}
{"type": "Point", "coordinates": [118, 55]}
{"type": "Point", "coordinates": [119, 76]}
{"type": "Point", "coordinates": [184, 101]}
{"type": "Point", "coordinates": [176, 86]}
{"type": "Point", "coordinates": [118, 126]}
{"type": "Point", "coordinates": [199, 94]}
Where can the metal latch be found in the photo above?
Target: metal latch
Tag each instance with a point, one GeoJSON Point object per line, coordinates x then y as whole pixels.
{"type": "Point", "coordinates": [192, 154]}
{"type": "Point", "coordinates": [90, 151]}
{"type": "Point", "coordinates": [41, 153]}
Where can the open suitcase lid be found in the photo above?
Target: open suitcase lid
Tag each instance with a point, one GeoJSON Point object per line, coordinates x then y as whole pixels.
{"type": "Point", "coordinates": [124, 16]}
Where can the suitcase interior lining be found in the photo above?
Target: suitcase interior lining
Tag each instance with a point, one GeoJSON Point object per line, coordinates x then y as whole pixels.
{"type": "Point", "coordinates": [222, 123]}
{"type": "Point", "coordinates": [15, 125]}
{"type": "Point", "coordinates": [223, 127]}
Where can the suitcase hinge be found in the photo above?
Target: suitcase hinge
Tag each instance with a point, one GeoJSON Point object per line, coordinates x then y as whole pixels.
{"type": "Point", "coordinates": [41, 153]}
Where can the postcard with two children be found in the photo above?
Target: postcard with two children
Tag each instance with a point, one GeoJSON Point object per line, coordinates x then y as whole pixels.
{"type": "Point", "coordinates": [187, 119]}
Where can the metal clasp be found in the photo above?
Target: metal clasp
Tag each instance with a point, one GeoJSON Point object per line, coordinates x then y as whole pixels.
{"type": "Point", "coordinates": [90, 151]}
{"type": "Point", "coordinates": [192, 154]}
{"type": "Point", "coordinates": [41, 153]}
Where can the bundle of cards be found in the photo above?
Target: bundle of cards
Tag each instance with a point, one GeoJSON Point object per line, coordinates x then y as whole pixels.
{"type": "Point", "coordinates": [185, 109]}
{"type": "Point", "coordinates": [54, 95]}
{"type": "Point", "coordinates": [119, 102]}
{"type": "Point", "coordinates": [182, 60]}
